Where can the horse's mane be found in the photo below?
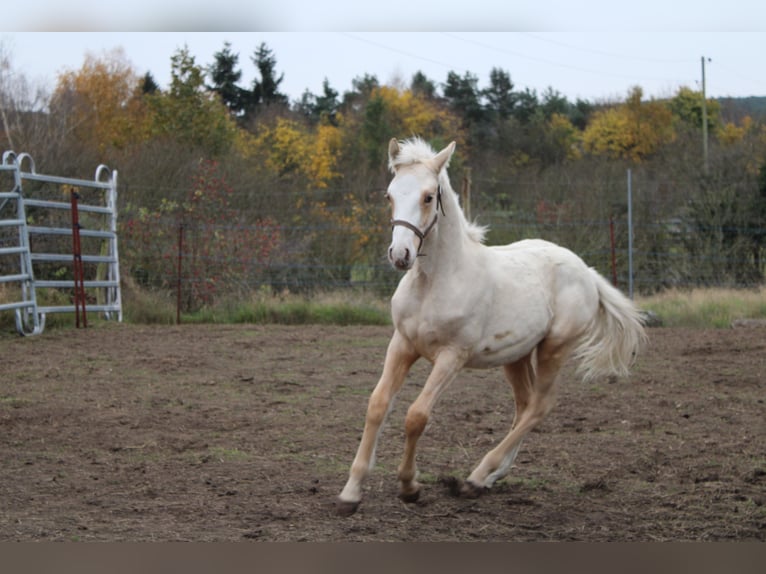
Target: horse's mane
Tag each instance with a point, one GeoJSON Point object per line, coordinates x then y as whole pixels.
{"type": "Point", "coordinates": [416, 150]}
{"type": "Point", "coordinates": [413, 150]}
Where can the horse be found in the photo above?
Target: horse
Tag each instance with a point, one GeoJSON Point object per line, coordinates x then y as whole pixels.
{"type": "Point", "coordinates": [526, 307]}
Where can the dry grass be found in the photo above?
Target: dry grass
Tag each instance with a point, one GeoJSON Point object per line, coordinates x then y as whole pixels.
{"type": "Point", "coordinates": [706, 307]}
{"type": "Point", "coordinates": [717, 308]}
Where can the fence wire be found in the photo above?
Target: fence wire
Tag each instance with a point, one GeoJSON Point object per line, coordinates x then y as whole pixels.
{"type": "Point", "coordinates": [208, 262]}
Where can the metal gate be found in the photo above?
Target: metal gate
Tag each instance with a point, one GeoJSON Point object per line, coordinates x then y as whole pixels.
{"type": "Point", "coordinates": [38, 232]}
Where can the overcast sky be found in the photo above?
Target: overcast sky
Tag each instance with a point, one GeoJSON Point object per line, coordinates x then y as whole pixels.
{"type": "Point", "coordinates": [573, 47]}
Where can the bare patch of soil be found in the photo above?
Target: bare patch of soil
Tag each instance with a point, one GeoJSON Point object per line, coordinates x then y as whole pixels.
{"type": "Point", "coordinates": [233, 433]}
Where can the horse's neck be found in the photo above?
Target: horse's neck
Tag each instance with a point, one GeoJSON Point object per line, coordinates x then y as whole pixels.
{"type": "Point", "coordinates": [447, 244]}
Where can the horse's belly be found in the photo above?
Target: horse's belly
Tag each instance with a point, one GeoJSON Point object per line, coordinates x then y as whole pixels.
{"type": "Point", "coordinates": [493, 353]}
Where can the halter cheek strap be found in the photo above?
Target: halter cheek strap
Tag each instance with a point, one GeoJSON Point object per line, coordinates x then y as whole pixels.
{"type": "Point", "coordinates": [421, 235]}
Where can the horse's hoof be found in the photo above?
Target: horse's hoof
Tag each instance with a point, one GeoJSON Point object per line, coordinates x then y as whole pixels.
{"type": "Point", "coordinates": [470, 490]}
{"type": "Point", "coordinates": [452, 485]}
{"type": "Point", "coordinates": [346, 507]}
{"type": "Point", "coordinates": [410, 497]}
{"type": "Point", "coordinates": [460, 489]}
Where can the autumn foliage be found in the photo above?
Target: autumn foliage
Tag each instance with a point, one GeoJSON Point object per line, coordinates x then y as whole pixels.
{"type": "Point", "coordinates": [267, 192]}
{"type": "Point", "coordinates": [218, 251]}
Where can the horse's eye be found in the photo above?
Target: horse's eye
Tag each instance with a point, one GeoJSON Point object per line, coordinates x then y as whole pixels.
{"type": "Point", "coordinates": [429, 198]}
{"type": "Point", "coordinates": [388, 197]}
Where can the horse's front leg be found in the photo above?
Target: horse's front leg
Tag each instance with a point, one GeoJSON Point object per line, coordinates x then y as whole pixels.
{"type": "Point", "coordinates": [399, 358]}
{"type": "Point", "coordinates": [446, 367]}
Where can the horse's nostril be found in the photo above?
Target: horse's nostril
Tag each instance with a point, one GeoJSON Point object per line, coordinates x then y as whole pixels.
{"type": "Point", "coordinates": [406, 254]}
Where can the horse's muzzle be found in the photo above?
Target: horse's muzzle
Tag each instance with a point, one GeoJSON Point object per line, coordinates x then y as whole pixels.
{"type": "Point", "coordinates": [401, 259]}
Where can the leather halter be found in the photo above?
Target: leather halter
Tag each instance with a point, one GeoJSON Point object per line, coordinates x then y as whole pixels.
{"type": "Point", "coordinates": [421, 235]}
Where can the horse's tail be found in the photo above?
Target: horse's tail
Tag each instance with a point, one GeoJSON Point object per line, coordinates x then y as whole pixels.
{"type": "Point", "coordinates": [612, 341]}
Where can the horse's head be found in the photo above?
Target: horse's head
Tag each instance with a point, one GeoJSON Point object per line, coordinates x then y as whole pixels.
{"type": "Point", "coordinates": [415, 196]}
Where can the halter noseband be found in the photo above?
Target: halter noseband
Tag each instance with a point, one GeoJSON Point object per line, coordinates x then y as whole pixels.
{"type": "Point", "coordinates": [421, 235]}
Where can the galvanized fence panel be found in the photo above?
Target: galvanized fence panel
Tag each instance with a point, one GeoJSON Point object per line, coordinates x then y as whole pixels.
{"type": "Point", "coordinates": [36, 228]}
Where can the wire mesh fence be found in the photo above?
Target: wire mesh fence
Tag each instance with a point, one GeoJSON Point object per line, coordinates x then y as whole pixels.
{"type": "Point", "coordinates": [203, 263]}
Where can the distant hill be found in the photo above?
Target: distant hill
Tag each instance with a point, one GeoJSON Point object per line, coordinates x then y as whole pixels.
{"type": "Point", "coordinates": [734, 109]}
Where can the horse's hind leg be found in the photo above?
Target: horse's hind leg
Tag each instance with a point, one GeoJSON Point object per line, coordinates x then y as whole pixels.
{"type": "Point", "coordinates": [399, 358]}
{"type": "Point", "coordinates": [533, 381]}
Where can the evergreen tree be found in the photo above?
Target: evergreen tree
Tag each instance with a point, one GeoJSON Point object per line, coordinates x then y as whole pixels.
{"type": "Point", "coordinates": [580, 113]}
{"type": "Point", "coordinates": [553, 102]}
{"type": "Point", "coordinates": [266, 91]}
{"type": "Point", "coordinates": [225, 77]}
{"type": "Point", "coordinates": [500, 96]}
{"type": "Point", "coordinates": [526, 106]}
{"type": "Point", "coordinates": [423, 87]}
{"type": "Point", "coordinates": [362, 89]}
{"type": "Point", "coordinates": [315, 108]}
{"type": "Point", "coordinates": [464, 97]}
{"type": "Point", "coordinates": [375, 129]}
{"type": "Point", "coordinates": [148, 85]}
{"type": "Point", "coordinates": [327, 104]}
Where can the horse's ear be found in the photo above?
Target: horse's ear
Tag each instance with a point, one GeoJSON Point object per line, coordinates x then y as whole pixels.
{"type": "Point", "coordinates": [441, 160]}
{"type": "Point", "coordinates": [393, 150]}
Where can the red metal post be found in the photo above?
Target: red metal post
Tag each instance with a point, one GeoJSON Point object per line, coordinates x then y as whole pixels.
{"type": "Point", "coordinates": [78, 270]}
{"type": "Point", "coordinates": [179, 271]}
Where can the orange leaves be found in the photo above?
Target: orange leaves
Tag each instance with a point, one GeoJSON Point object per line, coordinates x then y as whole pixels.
{"type": "Point", "coordinates": [101, 101]}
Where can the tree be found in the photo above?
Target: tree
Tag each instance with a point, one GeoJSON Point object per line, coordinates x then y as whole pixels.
{"type": "Point", "coordinates": [729, 133]}
{"type": "Point", "coordinates": [554, 103]}
{"type": "Point", "coordinates": [188, 113]}
{"type": "Point", "coordinates": [266, 90]}
{"type": "Point", "coordinates": [634, 130]}
{"type": "Point", "coordinates": [23, 123]}
{"type": "Point", "coordinates": [225, 76]}
{"type": "Point", "coordinates": [526, 106]}
{"type": "Point", "coordinates": [500, 96]}
{"type": "Point", "coordinates": [580, 113]}
{"type": "Point", "coordinates": [365, 85]}
{"type": "Point", "coordinates": [318, 108]}
{"type": "Point", "coordinates": [421, 86]}
{"type": "Point", "coordinates": [149, 85]}
{"type": "Point", "coordinates": [464, 97]}
{"type": "Point", "coordinates": [391, 112]}
{"type": "Point", "coordinates": [376, 128]}
{"type": "Point", "coordinates": [561, 138]}
{"type": "Point", "coordinates": [686, 106]}
{"type": "Point", "coordinates": [362, 88]}
{"type": "Point", "coordinates": [292, 150]}
{"type": "Point", "coordinates": [101, 101]}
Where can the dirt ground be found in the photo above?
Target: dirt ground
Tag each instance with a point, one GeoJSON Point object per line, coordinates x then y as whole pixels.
{"type": "Point", "coordinates": [246, 433]}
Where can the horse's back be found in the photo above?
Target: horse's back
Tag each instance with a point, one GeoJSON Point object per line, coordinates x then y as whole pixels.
{"type": "Point", "coordinates": [558, 275]}
{"type": "Point", "coordinates": [541, 258]}
{"type": "Point", "coordinates": [538, 247]}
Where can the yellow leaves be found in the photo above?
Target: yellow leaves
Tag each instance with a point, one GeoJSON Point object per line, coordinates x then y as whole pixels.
{"type": "Point", "coordinates": [326, 153]}
{"type": "Point", "coordinates": [607, 133]}
{"type": "Point", "coordinates": [411, 114]}
{"type": "Point", "coordinates": [564, 135]}
{"type": "Point", "coordinates": [289, 147]}
{"type": "Point", "coordinates": [632, 131]}
{"type": "Point", "coordinates": [414, 113]}
{"type": "Point", "coordinates": [730, 133]}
